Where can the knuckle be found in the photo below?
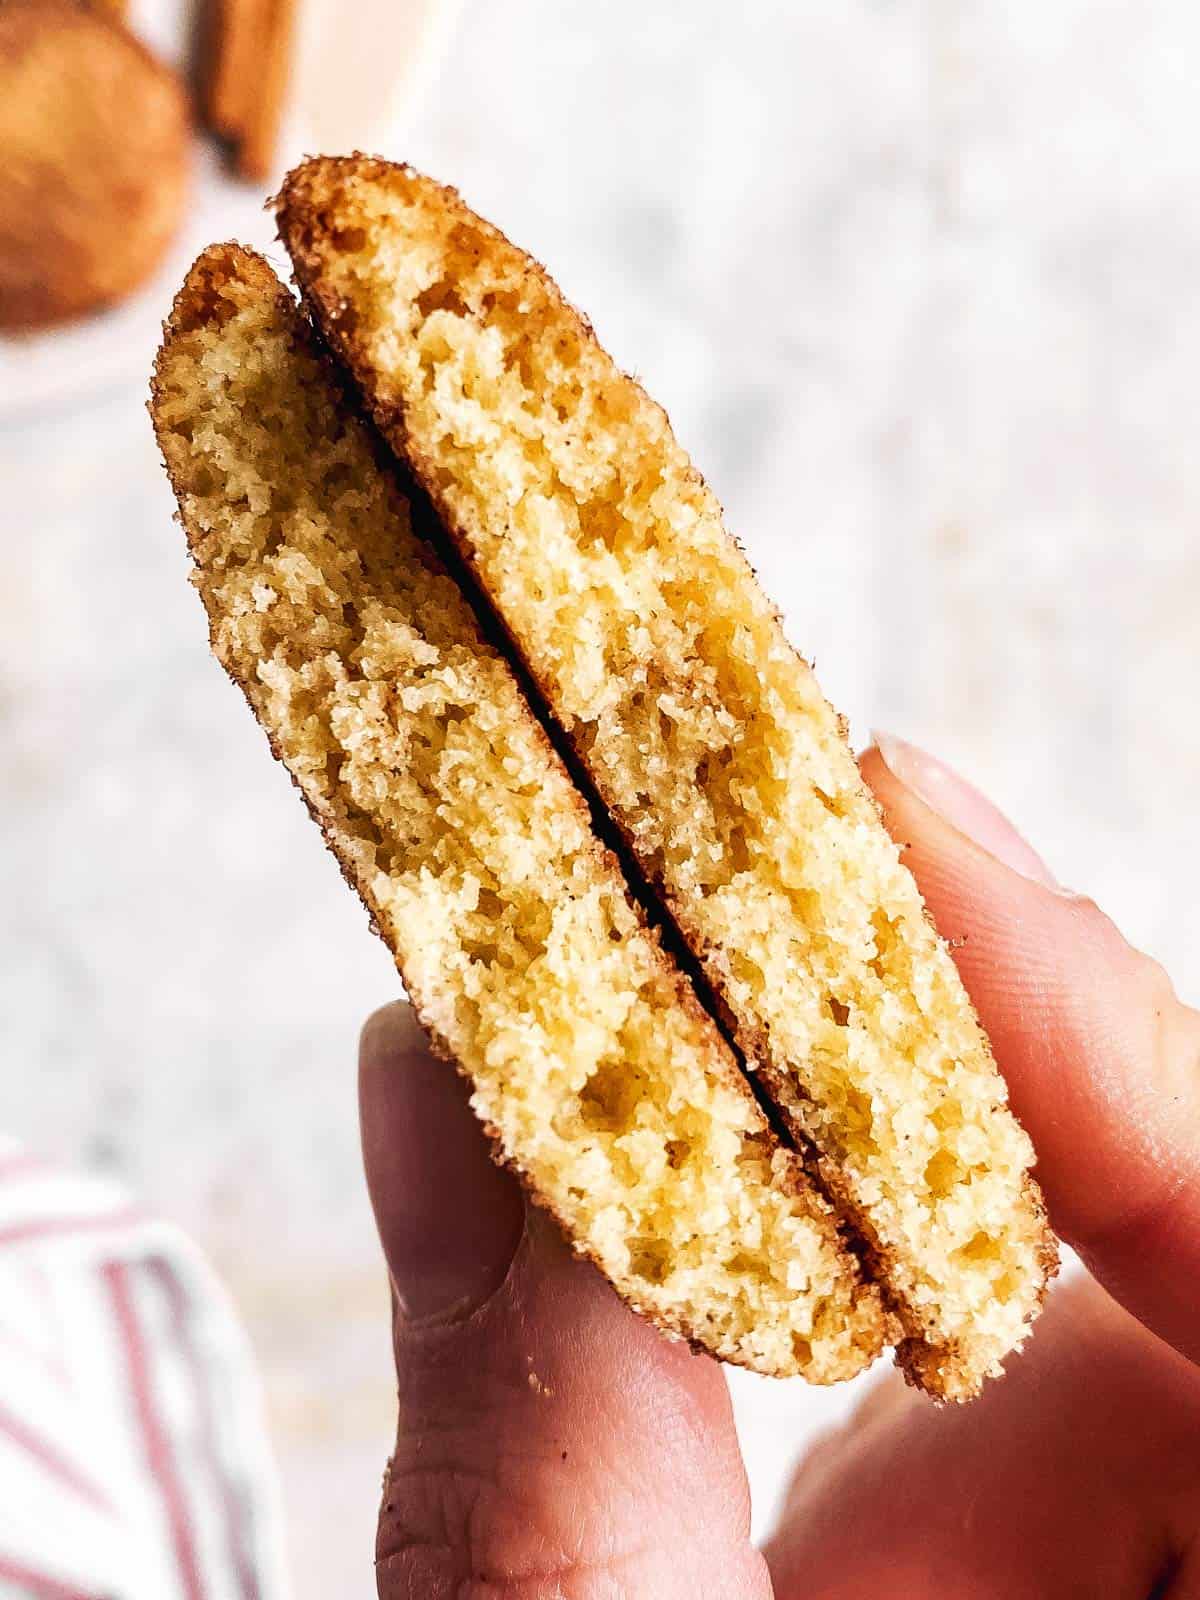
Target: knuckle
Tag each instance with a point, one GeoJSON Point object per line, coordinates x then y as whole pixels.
{"type": "Point", "coordinates": [447, 1532]}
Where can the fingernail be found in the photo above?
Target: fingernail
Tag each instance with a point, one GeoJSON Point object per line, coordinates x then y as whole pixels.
{"type": "Point", "coordinates": [961, 805]}
{"type": "Point", "coordinates": [449, 1219]}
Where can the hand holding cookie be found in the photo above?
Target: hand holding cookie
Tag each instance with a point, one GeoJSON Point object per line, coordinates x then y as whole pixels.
{"type": "Point", "coordinates": [1074, 1476]}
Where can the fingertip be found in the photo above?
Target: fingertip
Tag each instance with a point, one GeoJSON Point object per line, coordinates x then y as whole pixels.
{"type": "Point", "coordinates": [388, 1040]}
{"type": "Point", "coordinates": [389, 1035]}
{"type": "Point", "coordinates": [449, 1218]}
{"type": "Point", "coordinates": [901, 773]}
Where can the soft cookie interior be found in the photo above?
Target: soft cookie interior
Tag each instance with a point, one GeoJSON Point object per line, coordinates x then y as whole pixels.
{"type": "Point", "coordinates": [600, 1076]}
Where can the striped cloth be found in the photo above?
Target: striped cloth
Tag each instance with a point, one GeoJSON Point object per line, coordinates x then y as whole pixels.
{"type": "Point", "coordinates": [133, 1457]}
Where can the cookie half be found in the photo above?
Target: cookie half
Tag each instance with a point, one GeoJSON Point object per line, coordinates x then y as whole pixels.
{"type": "Point", "coordinates": [601, 1078]}
{"type": "Point", "coordinates": [705, 734]}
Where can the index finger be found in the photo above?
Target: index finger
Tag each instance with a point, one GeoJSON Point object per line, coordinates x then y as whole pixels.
{"type": "Point", "coordinates": [1101, 1058]}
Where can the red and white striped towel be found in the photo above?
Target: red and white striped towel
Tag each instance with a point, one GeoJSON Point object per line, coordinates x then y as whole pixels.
{"type": "Point", "coordinates": [133, 1457]}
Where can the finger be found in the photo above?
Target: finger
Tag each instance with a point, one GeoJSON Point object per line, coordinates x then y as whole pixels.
{"type": "Point", "coordinates": [1101, 1058]}
{"type": "Point", "coordinates": [1075, 1476]}
{"type": "Point", "coordinates": [887, 1396]}
{"type": "Point", "coordinates": [549, 1441]}
{"type": "Point", "coordinates": [449, 1218]}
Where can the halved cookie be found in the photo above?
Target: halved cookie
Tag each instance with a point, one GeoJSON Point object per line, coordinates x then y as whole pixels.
{"type": "Point", "coordinates": [703, 732]}
{"type": "Point", "coordinates": [598, 1073]}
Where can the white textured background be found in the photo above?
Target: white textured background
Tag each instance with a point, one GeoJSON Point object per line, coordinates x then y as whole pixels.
{"type": "Point", "coordinates": [920, 286]}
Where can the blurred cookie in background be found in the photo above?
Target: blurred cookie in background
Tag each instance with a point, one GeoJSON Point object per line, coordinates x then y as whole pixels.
{"type": "Point", "coordinates": [94, 158]}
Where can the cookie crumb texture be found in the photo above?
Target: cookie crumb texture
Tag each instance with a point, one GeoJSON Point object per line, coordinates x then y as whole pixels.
{"type": "Point", "coordinates": [707, 737]}
{"type": "Point", "coordinates": [602, 1079]}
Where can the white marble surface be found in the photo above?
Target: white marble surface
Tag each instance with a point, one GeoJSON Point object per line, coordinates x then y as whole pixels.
{"type": "Point", "coordinates": [918, 283]}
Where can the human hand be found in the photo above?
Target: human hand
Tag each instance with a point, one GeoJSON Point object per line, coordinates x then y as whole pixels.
{"type": "Point", "coordinates": [551, 1444]}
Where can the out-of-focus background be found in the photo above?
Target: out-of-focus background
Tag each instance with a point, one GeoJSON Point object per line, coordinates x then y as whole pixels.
{"type": "Point", "coordinates": [917, 281]}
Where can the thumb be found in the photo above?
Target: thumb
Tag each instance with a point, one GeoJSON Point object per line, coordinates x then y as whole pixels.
{"type": "Point", "coordinates": [1101, 1058]}
{"type": "Point", "coordinates": [549, 1441]}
